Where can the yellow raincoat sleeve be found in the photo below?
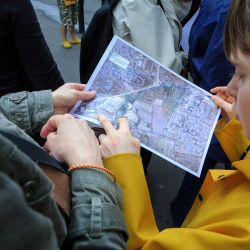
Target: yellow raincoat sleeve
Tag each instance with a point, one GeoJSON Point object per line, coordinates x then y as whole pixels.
{"type": "Point", "coordinates": [129, 172]}
{"type": "Point", "coordinates": [143, 232]}
{"type": "Point", "coordinates": [231, 138]}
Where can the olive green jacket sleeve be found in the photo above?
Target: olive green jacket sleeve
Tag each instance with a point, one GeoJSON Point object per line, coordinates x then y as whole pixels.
{"type": "Point", "coordinates": [26, 110]}
{"type": "Point", "coordinates": [96, 220]}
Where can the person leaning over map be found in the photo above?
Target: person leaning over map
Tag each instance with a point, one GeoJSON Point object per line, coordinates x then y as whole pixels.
{"type": "Point", "coordinates": [37, 209]}
{"type": "Point", "coordinates": [219, 217]}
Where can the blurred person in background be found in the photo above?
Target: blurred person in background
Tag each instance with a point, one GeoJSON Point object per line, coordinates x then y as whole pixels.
{"type": "Point", "coordinates": [26, 62]}
{"type": "Point", "coordinates": [68, 10]}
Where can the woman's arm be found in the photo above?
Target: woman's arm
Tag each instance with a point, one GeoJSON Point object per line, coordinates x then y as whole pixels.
{"type": "Point", "coordinates": [121, 153]}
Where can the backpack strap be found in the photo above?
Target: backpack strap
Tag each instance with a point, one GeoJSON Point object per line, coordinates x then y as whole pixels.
{"type": "Point", "coordinates": [34, 152]}
{"type": "Point", "coordinates": [114, 3]}
{"type": "Point", "coordinates": [194, 7]}
{"type": "Point", "coordinates": [158, 2]}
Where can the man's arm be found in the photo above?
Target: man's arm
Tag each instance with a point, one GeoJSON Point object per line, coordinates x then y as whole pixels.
{"type": "Point", "coordinates": [25, 191]}
{"type": "Point", "coordinates": [28, 111]}
{"type": "Point", "coordinates": [96, 220]}
{"type": "Point", "coordinates": [16, 233]}
{"type": "Point", "coordinates": [31, 110]}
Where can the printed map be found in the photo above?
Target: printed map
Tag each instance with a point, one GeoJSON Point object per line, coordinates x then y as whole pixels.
{"type": "Point", "coordinates": [172, 117]}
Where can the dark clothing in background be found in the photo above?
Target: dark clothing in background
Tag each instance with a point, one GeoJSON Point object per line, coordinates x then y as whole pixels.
{"type": "Point", "coordinates": [209, 68]}
{"type": "Point", "coordinates": [92, 48]}
{"type": "Point", "coordinates": [208, 64]}
{"type": "Point", "coordinates": [25, 62]}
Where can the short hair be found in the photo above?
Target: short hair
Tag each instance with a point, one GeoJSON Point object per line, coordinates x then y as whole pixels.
{"type": "Point", "coordinates": [237, 28]}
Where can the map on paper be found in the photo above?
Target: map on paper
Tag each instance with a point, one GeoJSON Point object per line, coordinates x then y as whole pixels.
{"type": "Point", "coordinates": [171, 116]}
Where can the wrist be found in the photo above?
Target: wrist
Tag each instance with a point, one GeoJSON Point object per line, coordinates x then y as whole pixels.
{"type": "Point", "coordinates": [58, 109]}
{"type": "Point", "coordinates": [79, 158]}
{"type": "Point", "coordinates": [77, 161]}
{"type": "Point", "coordinates": [90, 166]}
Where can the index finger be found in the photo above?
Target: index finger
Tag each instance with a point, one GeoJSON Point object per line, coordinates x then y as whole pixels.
{"type": "Point", "coordinates": [221, 103]}
{"type": "Point", "coordinates": [106, 124]}
{"type": "Point", "coordinates": [124, 125]}
{"type": "Point", "coordinates": [218, 89]}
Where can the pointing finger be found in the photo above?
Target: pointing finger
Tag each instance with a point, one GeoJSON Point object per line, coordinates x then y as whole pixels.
{"type": "Point", "coordinates": [123, 124]}
{"type": "Point", "coordinates": [106, 124]}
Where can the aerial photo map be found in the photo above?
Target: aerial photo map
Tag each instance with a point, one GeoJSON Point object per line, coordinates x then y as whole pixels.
{"type": "Point", "coordinates": [172, 117]}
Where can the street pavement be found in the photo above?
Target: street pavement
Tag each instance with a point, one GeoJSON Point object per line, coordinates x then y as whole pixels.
{"type": "Point", "coordinates": [163, 178]}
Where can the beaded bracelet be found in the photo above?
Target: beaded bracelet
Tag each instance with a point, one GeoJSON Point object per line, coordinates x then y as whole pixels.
{"type": "Point", "coordinates": [82, 166]}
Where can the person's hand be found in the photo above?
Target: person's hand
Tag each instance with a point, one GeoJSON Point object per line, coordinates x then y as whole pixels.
{"type": "Point", "coordinates": [223, 101]}
{"type": "Point", "coordinates": [67, 95]}
{"type": "Point", "coordinates": [71, 141]}
{"type": "Point", "coordinates": [117, 141]}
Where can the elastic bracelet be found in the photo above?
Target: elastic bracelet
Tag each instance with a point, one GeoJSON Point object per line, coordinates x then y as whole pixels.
{"type": "Point", "coordinates": [82, 166]}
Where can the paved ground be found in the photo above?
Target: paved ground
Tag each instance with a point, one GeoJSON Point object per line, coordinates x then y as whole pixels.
{"type": "Point", "coordinates": [163, 178]}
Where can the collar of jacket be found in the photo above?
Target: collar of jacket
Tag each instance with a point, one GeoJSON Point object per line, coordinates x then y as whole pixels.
{"type": "Point", "coordinates": [242, 167]}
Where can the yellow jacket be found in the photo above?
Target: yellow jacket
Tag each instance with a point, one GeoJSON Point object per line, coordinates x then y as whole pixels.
{"type": "Point", "coordinates": [219, 217]}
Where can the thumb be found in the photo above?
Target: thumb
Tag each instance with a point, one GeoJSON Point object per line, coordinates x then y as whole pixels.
{"type": "Point", "coordinates": [89, 95]}
{"type": "Point", "coordinates": [84, 96]}
{"type": "Point", "coordinates": [50, 126]}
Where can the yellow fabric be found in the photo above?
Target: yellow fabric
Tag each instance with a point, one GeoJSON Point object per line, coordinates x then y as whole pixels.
{"type": "Point", "coordinates": [219, 218]}
{"type": "Point", "coordinates": [231, 138]}
{"type": "Point", "coordinates": [70, 2]}
{"type": "Point", "coordinates": [129, 174]}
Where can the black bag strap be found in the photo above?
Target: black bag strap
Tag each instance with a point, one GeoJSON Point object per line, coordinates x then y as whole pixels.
{"type": "Point", "coordinates": [158, 2]}
{"type": "Point", "coordinates": [112, 3]}
{"type": "Point", "coordinates": [194, 7]}
{"type": "Point", "coordinates": [34, 152]}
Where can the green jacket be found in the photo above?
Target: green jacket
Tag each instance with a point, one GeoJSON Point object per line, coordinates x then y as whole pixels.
{"type": "Point", "coordinates": [30, 218]}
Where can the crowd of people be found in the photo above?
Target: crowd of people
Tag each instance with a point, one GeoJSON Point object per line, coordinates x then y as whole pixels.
{"type": "Point", "coordinates": [83, 191]}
